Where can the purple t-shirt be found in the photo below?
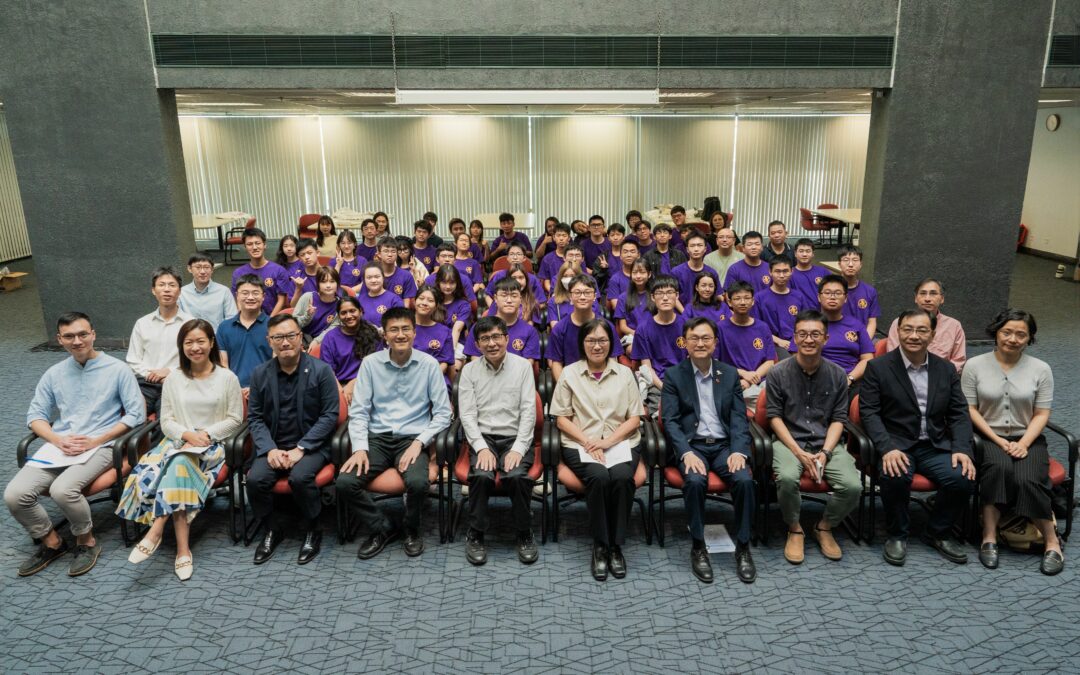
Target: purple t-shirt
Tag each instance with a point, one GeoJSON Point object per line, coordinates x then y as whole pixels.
{"type": "Point", "coordinates": [549, 266]}
{"type": "Point", "coordinates": [477, 252]}
{"type": "Point", "coordinates": [847, 342]}
{"type": "Point", "coordinates": [687, 277]}
{"type": "Point", "coordinates": [311, 282]}
{"type": "Point", "coordinates": [593, 251]}
{"type": "Point", "coordinates": [275, 281]}
{"type": "Point", "coordinates": [535, 286]}
{"type": "Point", "coordinates": [758, 277]}
{"type": "Point", "coordinates": [337, 350]}
{"type": "Point", "coordinates": [617, 285]}
{"type": "Point", "coordinates": [716, 313]}
{"type": "Point", "coordinates": [557, 311]}
{"type": "Point", "coordinates": [519, 237]}
{"type": "Point", "coordinates": [375, 307]}
{"type": "Point", "coordinates": [400, 283]}
{"type": "Point", "coordinates": [437, 341]}
{"type": "Point", "coordinates": [637, 315]}
{"type": "Point", "coordinates": [805, 283]}
{"type": "Point", "coordinates": [862, 303]}
{"type": "Point", "coordinates": [325, 313]}
{"type": "Point", "coordinates": [563, 343]}
{"type": "Point", "coordinates": [664, 346]}
{"type": "Point", "coordinates": [642, 250]}
{"type": "Point", "coordinates": [458, 310]}
{"type": "Point", "coordinates": [521, 339]}
{"type": "Point", "coordinates": [295, 268]}
{"type": "Point", "coordinates": [425, 255]}
{"type": "Point", "coordinates": [548, 247]}
{"type": "Point", "coordinates": [471, 271]}
{"type": "Point", "coordinates": [779, 311]}
{"type": "Point", "coordinates": [470, 294]}
{"type": "Point", "coordinates": [351, 272]}
{"type": "Point", "coordinates": [665, 261]}
{"type": "Point", "coordinates": [365, 251]}
{"type": "Point", "coordinates": [745, 347]}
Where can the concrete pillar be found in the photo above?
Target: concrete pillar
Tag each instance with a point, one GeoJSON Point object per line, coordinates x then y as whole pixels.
{"type": "Point", "coordinates": [948, 154]}
{"type": "Point", "coordinates": [98, 156]}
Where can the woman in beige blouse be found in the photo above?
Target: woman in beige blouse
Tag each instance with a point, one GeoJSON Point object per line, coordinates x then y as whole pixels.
{"type": "Point", "coordinates": [597, 406]}
{"type": "Point", "coordinates": [201, 406]}
{"type": "Point", "coordinates": [1009, 396]}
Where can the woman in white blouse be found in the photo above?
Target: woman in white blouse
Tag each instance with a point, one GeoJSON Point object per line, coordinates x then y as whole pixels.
{"type": "Point", "coordinates": [201, 406]}
{"type": "Point", "coordinates": [1009, 395]}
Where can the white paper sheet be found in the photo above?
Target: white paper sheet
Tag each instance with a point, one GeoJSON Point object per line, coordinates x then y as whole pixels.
{"type": "Point", "coordinates": [190, 451]}
{"type": "Point", "coordinates": [49, 456]}
{"type": "Point", "coordinates": [717, 539]}
{"type": "Point", "coordinates": [616, 454]}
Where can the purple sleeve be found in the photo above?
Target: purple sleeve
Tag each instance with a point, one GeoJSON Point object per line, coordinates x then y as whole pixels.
{"type": "Point", "coordinates": [555, 343]}
{"type": "Point", "coordinates": [532, 344]}
{"type": "Point", "coordinates": [874, 311]}
{"type": "Point", "coordinates": [616, 349]}
{"type": "Point", "coordinates": [396, 301]}
{"type": "Point", "coordinates": [410, 285]}
{"type": "Point", "coordinates": [866, 345]}
{"type": "Point", "coordinates": [642, 347]}
{"type": "Point", "coordinates": [470, 345]}
{"type": "Point", "coordinates": [283, 282]}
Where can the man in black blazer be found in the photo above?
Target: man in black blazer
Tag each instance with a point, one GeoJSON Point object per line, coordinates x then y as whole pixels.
{"type": "Point", "coordinates": [292, 413]}
{"type": "Point", "coordinates": [705, 423]}
{"type": "Point", "coordinates": [917, 417]}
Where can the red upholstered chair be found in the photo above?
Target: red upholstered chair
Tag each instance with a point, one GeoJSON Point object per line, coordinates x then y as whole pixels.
{"type": "Point", "coordinates": [110, 484]}
{"type": "Point", "coordinates": [324, 260]}
{"type": "Point", "coordinates": [235, 238]}
{"type": "Point", "coordinates": [501, 264]}
{"type": "Point", "coordinates": [812, 223]}
{"type": "Point", "coordinates": [881, 347]}
{"type": "Point", "coordinates": [811, 489]}
{"type": "Point", "coordinates": [308, 225]}
{"type": "Point", "coordinates": [830, 223]}
{"type": "Point", "coordinates": [461, 472]}
{"type": "Point", "coordinates": [242, 449]}
{"type": "Point", "coordinates": [314, 349]}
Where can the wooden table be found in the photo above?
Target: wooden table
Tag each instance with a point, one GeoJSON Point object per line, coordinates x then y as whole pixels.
{"type": "Point", "coordinates": [847, 216]}
{"type": "Point", "coordinates": [217, 221]}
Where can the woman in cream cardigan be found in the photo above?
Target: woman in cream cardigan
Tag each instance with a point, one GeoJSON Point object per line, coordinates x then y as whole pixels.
{"type": "Point", "coordinates": [201, 406]}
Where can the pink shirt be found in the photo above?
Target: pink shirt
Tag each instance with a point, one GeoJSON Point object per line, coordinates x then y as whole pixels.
{"type": "Point", "coordinates": [949, 340]}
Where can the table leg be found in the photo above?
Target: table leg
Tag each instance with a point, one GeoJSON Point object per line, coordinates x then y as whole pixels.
{"type": "Point", "coordinates": [220, 239]}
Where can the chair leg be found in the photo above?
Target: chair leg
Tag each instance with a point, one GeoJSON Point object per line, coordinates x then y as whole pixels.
{"type": "Point", "coordinates": [544, 512]}
{"type": "Point", "coordinates": [661, 525]}
{"type": "Point", "coordinates": [644, 521]}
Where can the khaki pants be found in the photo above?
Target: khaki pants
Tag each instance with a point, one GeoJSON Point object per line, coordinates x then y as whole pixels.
{"type": "Point", "coordinates": [65, 486]}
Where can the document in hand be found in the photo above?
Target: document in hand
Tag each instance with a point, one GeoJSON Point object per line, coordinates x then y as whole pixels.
{"type": "Point", "coordinates": [616, 454]}
{"type": "Point", "coordinates": [190, 451]}
{"type": "Point", "coordinates": [51, 457]}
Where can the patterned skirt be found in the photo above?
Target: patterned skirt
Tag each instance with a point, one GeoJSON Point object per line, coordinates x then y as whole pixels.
{"type": "Point", "coordinates": [158, 486]}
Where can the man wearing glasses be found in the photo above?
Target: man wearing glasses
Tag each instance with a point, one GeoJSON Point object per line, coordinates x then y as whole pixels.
{"type": "Point", "coordinates": [563, 343]}
{"type": "Point", "coordinates": [949, 341]}
{"type": "Point", "coordinates": [847, 344]}
{"type": "Point", "coordinates": [807, 408]}
{"type": "Point", "coordinates": [242, 337]}
{"type": "Point", "coordinates": [80, 404]}
{"type": "Point", "coordinates": [522, 339]}
{"type": "Point", "coordinates": [205, 298]}
{"type": "Point", "coordinates": [292, 413]}
{"type": "Point", "coordinates": [497, 404]}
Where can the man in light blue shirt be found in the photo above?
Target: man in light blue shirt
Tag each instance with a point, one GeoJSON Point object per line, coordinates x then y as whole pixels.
{"type": "Point", "coordinates": [205, 298]}
{"type": "Point", "coordinates": [80, 404]}
{"type": "Point", "coordinates": [399, 406]}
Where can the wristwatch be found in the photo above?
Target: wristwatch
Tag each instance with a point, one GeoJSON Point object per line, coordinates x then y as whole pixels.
{"type": "Point", "coordinates": [827, 453]}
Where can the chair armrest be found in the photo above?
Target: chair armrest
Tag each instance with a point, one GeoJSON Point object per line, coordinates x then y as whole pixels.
{"type": "Point", "coordinates": [230, 444]}
{"type": "Point", "coordinates": [545, 386]}
{"type": "Point", "coordinates": [340, 444]}
{"type": "Point", "coordinates": [23, 447]}
{"type": "Point", "coordinates": [235, 451]}
{"type": "Point", "coordinates": [131, 441]}
{"type": "Point", "coordinates": [763, 450]}
{"type": "Point", "coordinates": [865, 450]}
{"type": "Point", "coordinates": [1073, 443]}
{"type": "Point", "coordinates": [543, 350]}
{"type": "Point", "coordinates": [655, 454]}
{"type": "Point", "coordinates": [543, 317]}
{"type": "Point", "coordinates": [550, 444]}
{"type": "Point", "coordinates": [444, 442]}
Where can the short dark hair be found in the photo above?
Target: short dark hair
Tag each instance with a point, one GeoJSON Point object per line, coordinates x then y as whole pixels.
{"type": "Point", "coordinates": [752, 234]}
{"type": "Point", "coordinates": [366, 221]}
{"type": "Point", "coordinates": [805, 242]}
{"type": "Point", "coordinates": [422, 225]}
{"type": "Point", "coordinates": [252, 279]}
{"type": "Point", "coordinates": [661, 227]}
{"type": "Point", "coordinates": [630, 242]}
{"type": "Point", "coordinates": [254, 232]}
{"type": "Point", "coordinates": [430, 217]}
{"type": "Point", "coordinates": [678, 209]}
{"type": "Point", "coordinates": [775, 222]}
{"type": "Point", "coordinates": [455, 221]}
{"type": "Point", "coordinates": [696, 234]}
{"type": "Point", "coordinates": [562, 227]}
{"type": "Point", "coordinates": [507, 283]}
{"type": "Point", "coordinates": [831, 279]}
{"type": "Point", "coordinates": [616, 227]}
{"type": "Point", "coordinates": [643, 223]}
{"type": "Point", "coordinates": [849, 249]}
{"type": "Point", "coordinates": [446, 248]}
{"type": "Point", "coordinates": [207, 328]}
{"type": "Point", "coordinates": [325, 272]}
{"type": "Point", "coordinates": [583, 279]}
{"type": "Point", "coordinates": [929, 280]}
{"type": "Point", "coordinates": [812, 315]}
{"type": "Point", "coordinates": [597, 217]}
{"type": "Point", "coordinates": [779, 260]}
{"type": "Point", "coordinates": [198, 257]}
{"type": "Point", "coordinates": [589, 327]}
{"type": "Point", "coordinates": [165, 272]}
{"type": "Point", "coordinates": [663, 281]}
{"type": "Point", "coordinates": [68, 318]}
{"type": "Point", "coordinates": [917, 311]}
{"type": "Point", "coordinates": [574, 247]}
{"type": "Point", "coordinates": [739, 287]}
{"type": "Point", "coordinates": [1013, 314]}
{"type": "Point", "coordinates": [486, 324]}
{"type": "Point", "coordinates": [515, 244]}
{"type": "Point", "coordinates": [306, 242]}
{"type": "Point", "coordinates": [385, 242]}
{"type": "Point", "coordinates": [279, 319]}
{"type": "Point", "coordinates": [398, 313]}
{"type": "Point", "coordinates": [633, 213]}
{"type": "Point", "coordinates": [506, 217]}
{"type": "Point", "coordinates": [696, 321]}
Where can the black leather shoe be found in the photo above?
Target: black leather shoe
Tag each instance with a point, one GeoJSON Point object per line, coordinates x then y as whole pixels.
{"type": "Point", "coordinates": [616, 562]}
{"type": "Point", "coordinates": [1052, 563]}
{"type": "Point", "coordinates": [988, 555]}
{"type": "Point", "coordinates": [949, 549]}
{"type": "Point", "coordinates": [599, 562]}
{"type": "Point", "coordinates": [310, 548]}
{"type": "Point", "coordinates": [526, 548]}
{"type": "Point", "coordinates": [374, 545]}
{"type": "Point", "coordinates": [701, 565]}
{"type": "Point", "coordinates": [744, 564]}
{"type": "Point", "coordinates": [474, 547]}
{"type": "Point", "coordinates": [414, 544]}
{"type": "Point", "coordinates": [895, 551]}
{"type": "Point", "coordinates": [265, 550]}
{"type": "Point", "coordinates": [41, 559]}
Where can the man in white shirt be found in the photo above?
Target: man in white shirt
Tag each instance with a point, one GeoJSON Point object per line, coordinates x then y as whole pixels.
{"type": "Point", "coordinates": [152, 351]}
{"type": "Point", "coordinates": [497, 405]}
{"type": "Point", "coordinates": [205, 298]}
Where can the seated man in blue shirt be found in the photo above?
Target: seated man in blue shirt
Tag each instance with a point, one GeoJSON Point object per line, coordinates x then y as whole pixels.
{"type": "Point", "coordinates": [399, 405]}
{"type": "Point", "coordinates": [242, 338]}
{"type": "Point", "coordinates": [82, 403]}
{"type": "Point", "coordinates": [205, 298]}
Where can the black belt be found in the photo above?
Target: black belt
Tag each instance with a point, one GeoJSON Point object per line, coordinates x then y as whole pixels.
{"type": "Point", "coordinates": [707, 441]}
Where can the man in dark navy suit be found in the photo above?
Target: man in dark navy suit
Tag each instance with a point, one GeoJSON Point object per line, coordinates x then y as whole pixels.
{"type": "Point", "coordinates": [705, 424]}
{"type": "Point", "coordinates": [915, 413]}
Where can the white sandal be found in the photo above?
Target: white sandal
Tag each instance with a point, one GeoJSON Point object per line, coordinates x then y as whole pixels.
{"type": "Point", "coordinates": [185, 567]}
{"type": "Point", "coordinates": [143, 550]}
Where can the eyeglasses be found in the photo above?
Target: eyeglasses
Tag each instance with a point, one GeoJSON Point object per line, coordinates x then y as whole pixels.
{"type": "Point", "coordinates": [665, 294]}
{"type": "Point", "coordinates": [833, 294]}
{"type": "Point", "coordinates": [508, 295]}
{"type": "Point", "coordinates": [597, 342]}
{"type": "Point", "coordinates": [71, 337]}
{"type": "Point", "coordinates": [583, 293]}
{"type": "Point", "coordinates": [248, 294]}
{"type": "Point", "coordinates": [203, 268]}
{"type": "Point", "coordinates": [490, 339]}
{"type": "Point", "coordinates": [1008, 335]}
{"type": "Point", "coordinates": [700, 339]}
{"type": "Point", "coordinates": [399, 330]}
{"type": "Point", "coordinates": [814, 334]}
{"type": "Point", "coordinates": [278, 339]}
{"type": "Point", "coordinates": [922, 331]}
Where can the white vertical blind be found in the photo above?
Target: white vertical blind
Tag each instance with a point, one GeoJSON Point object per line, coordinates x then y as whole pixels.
{"type": "Point", "coordinates": [683, 161]}
{"type": "Point", "coordinates": [14, 241]}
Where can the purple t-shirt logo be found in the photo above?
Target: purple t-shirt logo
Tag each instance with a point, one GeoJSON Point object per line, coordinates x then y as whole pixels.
{"type": "Point", "coordinates": [758, 344]}
{"type": "Point", "coordinates": [766, 280]}
{"type": "Point", "coordinates": [434, 345]}
{"type": "Point", "coordinates": [792, 309]}
{"type": "Point", "coordinates": [398, 289]}
{"type": "Point", "coordinates": [851, 336]}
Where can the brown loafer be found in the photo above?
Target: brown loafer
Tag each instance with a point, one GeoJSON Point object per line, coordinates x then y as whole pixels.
{"type": "Point", "coordinates": [827, 542]}
{"type": "Point", "coordinates": [793, 549]}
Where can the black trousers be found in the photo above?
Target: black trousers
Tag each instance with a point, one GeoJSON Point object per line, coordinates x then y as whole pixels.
{"type": "Point", "coordinates": [1022, 484]}
{"type": "Point", "coordinates": [609, 494]}
{"type": "Point", "coordinates": [151, 392]}
{"type": "Point", "coordinates": [384, 452]}
{"type": "Point", "coordinates": [260, 486]}
{"type": "Point", "coordinates": [741, 483]}
{"type": "Point", "coordinates": [515, 483]}
{"type": "Point", "coordinates": [953, 490]}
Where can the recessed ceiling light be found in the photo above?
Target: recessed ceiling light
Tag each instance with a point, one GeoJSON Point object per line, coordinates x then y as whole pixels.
{"type": "Point", "coordinates": [1055, 100]}
{"type": "Point", "coordinates": [866, 94]}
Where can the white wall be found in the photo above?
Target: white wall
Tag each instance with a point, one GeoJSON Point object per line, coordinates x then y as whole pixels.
{"type": "Point", "coordinates": [1052, 200]}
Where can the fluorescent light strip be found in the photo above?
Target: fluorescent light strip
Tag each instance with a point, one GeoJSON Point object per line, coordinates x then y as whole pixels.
{"type": "Point", "coordinates": [242, 105]}
{"type": "Point", "coordinates": [527, 96]}
{"type": "Point", "coordinates": [1055, 100]}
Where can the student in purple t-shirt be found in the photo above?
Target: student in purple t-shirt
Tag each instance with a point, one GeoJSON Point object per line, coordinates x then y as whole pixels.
{"type": "Point", "coordinates": [643, 236]}
{"type": "Point", "coordinates": [658, 340]}
{"type": "Point", "coordinates": [277, 288]}
{"type": "Point", "coordinates": [806, 276]}
{"type": "Point", "coordinates": [663, 258]}
{"type": "Point", "coordinates": [551, 262]}
{"type": "Point", "coordinates": [634, 302]}
{"type": "Point", "coordinates": [286, 251]}
{"type": "Point", "coordinates": [375, 299]}
{"type": "Point", "coordinates": [596, 244]}
{"type": "Point", "coordinates": [778, 305]}
{"type": "Point", "coordinates": [559, 304]}
{"type": "Point", "coordinates": [368, 246]}
{"type": "Point", "coordinates": [746, 342]}
{"type": "Point", "coordinates": [619, 279]}
{"type": "Point", "coordinates": [472, 271]}
{"type": "Point", "coordinates": [688, 272]}
{"type": "Point", "coordinates": [848, 345]}
{"type": "Point", "coordinates": [398, 281]}
{"type": "Point", "coordinates": [563, 344]}
{"type": "Point", "coordinates": [522, 338]}
{"type": "Point", "coordinates": [862, 302]}
{"type": "Point", "coordinates": [349, 265]}
{"type": "Point", "coordinates": [445, 257]}
{"type": "Point", "coordinates": [706, 302]}
{"type": "Point", "coordinates": [305, 279]}
{"type": "Point", "coordinates": [344, 346]}
{"type": "Point", "coordinates": [516, 257]}
{"type": "Point", "coordinates": [422, 248]}
{"type": "Point", "coordinates": [751, 269]}
{"type": "Point", "coordinates": [450, 296]}
{"type": "Point", "coordinates": [317, 312]}
{"type": "Point", "coordinates": [432, 337]}
{"type": "Point", "coordinates": [545, 243]}
{"type": "Point", "coordinates": [501, 244]}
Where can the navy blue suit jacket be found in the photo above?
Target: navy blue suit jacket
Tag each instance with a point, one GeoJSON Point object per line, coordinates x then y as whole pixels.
{"type": "Point", "coordinates": [317, 406]}
{"type": "Point", "coordinates": [681, 410]}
